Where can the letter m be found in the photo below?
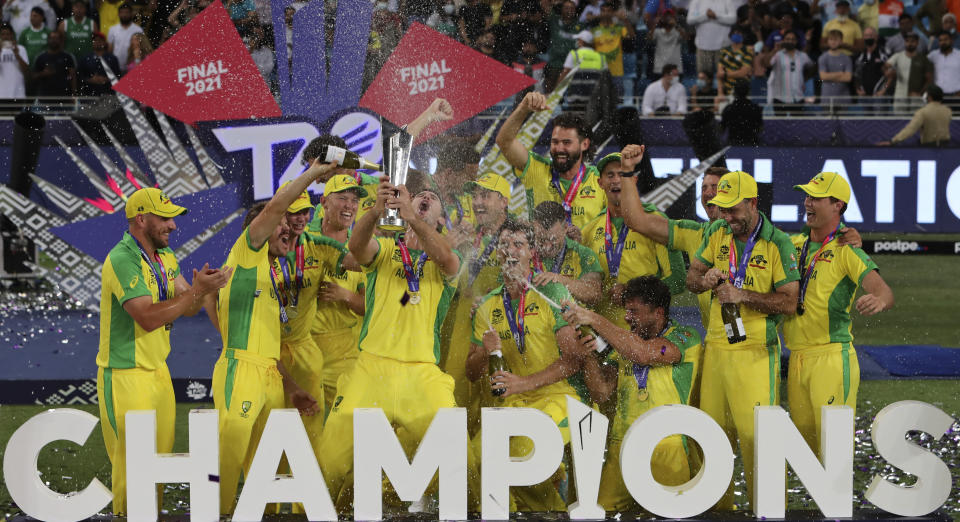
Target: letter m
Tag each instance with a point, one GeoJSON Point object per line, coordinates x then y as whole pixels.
{"type": "Point", "coordinates": [305, 88]}
{"type": "Point", "coordinates": [442, 452]}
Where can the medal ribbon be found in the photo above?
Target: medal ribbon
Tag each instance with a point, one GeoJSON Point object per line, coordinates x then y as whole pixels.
{"type": "Point", "coordinates": [273, 281]}
{"type": "Point", "coordinates": [557, 261]}
{"type": "Point", "coordinates": [641, 372]}
{"type": "Point", "coordinates": [571, 192]}
{"type": "Point", "coordinates": [515, 320]}
{"type": "Point", "coordinates": [413, 272]}
{"type": "Point", "coordinates": [738, 272]}
{"type": "Point", "coordinates": [160, 278]}
{"type": "Point", "coordinates": [478, 263]}
{"type": "Point", "coordinates": [805, 271]}
{"type": "Point", "coordinates": [614, 253]}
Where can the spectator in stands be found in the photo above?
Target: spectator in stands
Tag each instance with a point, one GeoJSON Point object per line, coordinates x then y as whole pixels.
{"type": "Point", "coordinates": [530, 64]}
{"type": "Point", "coordinates": [787, 73]}
{"type": "Point", "coordinates": [243, 14]}
{"type": "Point", "coordinates": [666, 95]}
{"type": "Point", "coordinates": [800, 9]}
{"type": "Point", "coordinates": [742, 120]}
{"type": "Point", "coordinates": [750, 21]}
{"type": "Point", "coordinates": [54, 71]}
{"type": "Point", "coordinates": [868, 76]}
{"type": "Point", "coordinates": [933, 119]}
{"type": "Point", "coordinates": [139, 49]}
{"type": "Point", "coordinates": [486, 43]}
{"type": "Point", "coordinates": [950, 25]}
{"type": "Point", "coordinates": [786, 26]}
{"type": "Point", "coordinates": [584, 57]}
{"type": "Point", "coordinates": [119, 36]}
{"type": "Point", "coordinates": [897, 43]}
{"type": "Point", "coordinates": [933, 11]}
{"type": "Point", "coordinates": [591, 11]}
{"type": "Point", "coordinates": [444, 21]}
{"type": "Point", "coordinates": [889, 13]}
{"type": "Point", "coordinates": [563, 27]}
{"type": "Point", "coordinates": [13, 65]}
{"type": "Point", "coordinates": [109, 14]}
{"type": "Point", "coordinates": [712, 19]}
{"type": "Point", "coordinates": [654, 9]}
{"type": "Point", "coordinates": [736, 63]}
{"type": "Point", "coordinates": [912, 71]}
{"type": "Point", "coordinates": [700, 126]}
{"type": "Point", "coordinates": [668, 40]}
{"type": "Point", "coordinates": [836, 72]}
{"type": "Point", "coordinates": [608, 38]}
{"type": "Point", "coordinates": [946, 65]}
{"type": "Point", "coordinates": [92, 78]}
{"type": "Point", "coordinates": [537, 26]}
{"type": "Point", "coordinates": [869, 15]}
{"type": "Point", "coordinates": [18, 13]}
{"type": "Point", "coordinates": [852, 41]}
{"type": "Point", "coordinates": [78, 30]}
{"type": "Point", "coordinates": [704, 91]}
{"type": "Point", "coordinates": [475, 18]}
{"type": "Point", "coordinates": [186, 11]}
{"type": "Point", "coordinates": [33, 38]}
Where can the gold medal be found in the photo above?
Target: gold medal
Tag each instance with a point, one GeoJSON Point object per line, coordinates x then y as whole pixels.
{"type": "Point", "coordinates": [643, 394]}
{"type": "Point", "coordinates": [292, 312]}
{"type": "Point", "coordinates": [415, 298]}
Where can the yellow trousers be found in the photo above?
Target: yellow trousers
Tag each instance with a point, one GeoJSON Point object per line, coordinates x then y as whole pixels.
{"type": "Point", "coordinates": [246, 387]}
{"type": "Point", "coordinates": [734, 382]}
{"type": "Point", "coordinates": [339, 348]}
{"type": "Point", "coordinates": [670, 466]}
{"type": "Point", "coordinates": [823, 375]}
{"type": "Point", "coordinates": [120, 391]}
{"type": "Point", "coordinates": [305, 362]}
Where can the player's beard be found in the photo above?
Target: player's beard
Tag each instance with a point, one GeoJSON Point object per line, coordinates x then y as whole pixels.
{"type": "Point", "coordinates": [563, 162]}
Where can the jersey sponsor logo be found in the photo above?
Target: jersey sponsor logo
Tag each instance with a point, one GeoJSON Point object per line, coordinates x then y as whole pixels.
{"type": "Point", "coordinates": [496, 317]}
{"type": "Point", "coordinates": [724, 252]}
{"type": "Point", "coordinates": [598, 234]}
{"type": "Point", "coordinates": [245, 409]}
{"type": "Point", "coordinates": [531, 309]}
{"type": "Point", "coordinates": [567, 270]}
{"type": "Point", "coordinates": [587, 192]}
{"type": "Point", "coordinates": [759, 261]}
{"type": "Point", "coordinates": [826, 256]}
{"type": "Point", "coordinates": [396, 255]}
{"type": "Point", "coordinates": [134, 281]}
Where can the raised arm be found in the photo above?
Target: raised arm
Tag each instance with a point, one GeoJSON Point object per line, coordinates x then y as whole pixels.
{"type": "Point", "coordinates": [266, 221]}
{"type": "Point", "coordinates": [363, 247]}
{"type": "Point", "coordinates": [439, 110]}
{"type": "Point", "coordinates": [652, 225]}
{"type": "Point", "coordinates": [515, 152]}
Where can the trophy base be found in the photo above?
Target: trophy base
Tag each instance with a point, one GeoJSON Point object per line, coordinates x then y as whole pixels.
{"type": "Point", "coordinates": [392, 224]}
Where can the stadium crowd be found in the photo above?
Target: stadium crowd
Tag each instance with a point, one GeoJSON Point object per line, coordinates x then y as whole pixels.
{"type": "Point", "coordinates": [878, 54]}
{"type": "Point", "coordinates": [465, 304]}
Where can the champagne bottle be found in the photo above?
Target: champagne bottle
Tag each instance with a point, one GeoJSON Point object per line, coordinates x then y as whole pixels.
{"type": "Point", "coordinates": [603, 347]}
{"type": "Point", "coordinates": [732, 323]}
{"type": "Point", "coordinates": [346, 158]}
{"type": "Point", "coordinates": [497, 364]}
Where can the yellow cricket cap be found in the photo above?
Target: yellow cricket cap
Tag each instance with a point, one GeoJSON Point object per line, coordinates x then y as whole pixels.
{"type": "Point", "coordinates": [152, 200]}
{"type": "Point", "coordinates": [733, 188]}
{"type": "Point", "coordinates": [827, 184]}
{"type": "Point", "coordinates": [301, 203]}
{"type": "Point", "coordinates": [342, 182]}
{"type": "Point", "coordinates": [491, 181]}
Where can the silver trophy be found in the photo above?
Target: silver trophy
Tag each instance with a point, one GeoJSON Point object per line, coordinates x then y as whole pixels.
{"type": "Point", "coordinates": [396, 163]}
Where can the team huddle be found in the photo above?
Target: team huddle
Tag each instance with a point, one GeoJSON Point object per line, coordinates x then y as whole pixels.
{"type": "Point", "coordinates": [470, 306]}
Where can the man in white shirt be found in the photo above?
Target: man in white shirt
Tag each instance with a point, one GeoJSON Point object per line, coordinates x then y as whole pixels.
{"type": "Point", "coordinates": [13, 64]}
{"type": "Point", "coordinates": [946, 64]}
{"type": "Point", "coordinates": [713, 20]}
{"type": "Point", "coordinates": [119, 37]}
{"type": "Point", "coordinates": [17, 13]}
{"type": "Point", "coordinates": [666, 92]}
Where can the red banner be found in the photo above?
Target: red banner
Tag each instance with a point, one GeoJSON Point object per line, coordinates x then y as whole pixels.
{"type": "Point", "coordinates": [427, 65]}
{"type": "Point", "coordinates": [202, 73]}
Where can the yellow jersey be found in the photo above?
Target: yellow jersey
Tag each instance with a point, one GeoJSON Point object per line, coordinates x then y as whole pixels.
{"type": "Point", "coordinates": [686, 236]}
{"type": "Point", "coordinates": [461, 211]}
{"type": "Point", "coordinates": [247, 307]}
{"type": "Point", "coordinates": [772, 264]}
{"type": "Point", "coordinates": [321, 256]}
{"type": "Point", "coordinates": [332, 316]}
{"type": "Point", "coordinates": [608, 41]}
{"type": "Point", "coordinates": [587, 204]}
{"type": "Point", "coordinates": [126, 274]}
{"type": "Point", "coordinates": [838, 272]}
{"type": "Point", "coordinates": [577, 261]}
{"type": "Point", "coordinates": [641, 388]}
{"type": "Point", "coordinates": [541, 323]}
{"type": "Point", "coordinates": [404, 332]}
{"type": "Point", "coordinates": [641, 256]}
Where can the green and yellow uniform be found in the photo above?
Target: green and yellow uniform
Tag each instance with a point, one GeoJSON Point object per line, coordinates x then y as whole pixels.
{"type": "Point", "coordinates": [34, 41]}
{"type": "Point", "coordinates": [397, 366]}
{"type": "Point", "coordinates": [300, 355]}
{"type": "Point", "coordinates": [246, 382]}
{"type": "Point", "coordinates": [823, 363]}
{"type": "Point", "coordinates": [641, 257]}
{"type": "Point", "coordinates": [739, 376]}
{"type": "Point", "coordinates": [369, 183]}
{"type": "Point", "coordinates": [335, 329]}
{"type": "Point", "coordinates": [588, 203]}
{"type": "Point", "coordinates": [669, 384]}
{"type": "Point", "coordinates": [132, 369]}
{"type": "Point", "coordinates": [687, 236]}
{"type": "Point", "coordinates": [608, 41]}
{"type": "Point", "coordinates": [578, 261]}
{"type": "Point", "coordinates": [464, 212]}
{"type": "Point", "coordinates": [732, 60]}
{"type": "Point", "coordinates": [78, 37]}
{"type": "Point", "coordinates": [540, 350]}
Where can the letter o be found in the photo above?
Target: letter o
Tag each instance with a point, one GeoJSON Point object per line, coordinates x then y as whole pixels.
{"type": "Point", "coordinates": [703, 490]}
